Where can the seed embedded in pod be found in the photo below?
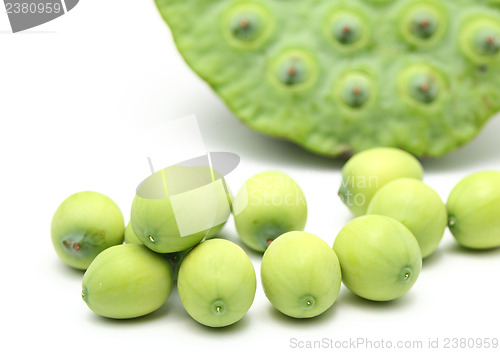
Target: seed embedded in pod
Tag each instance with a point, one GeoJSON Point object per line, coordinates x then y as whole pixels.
{"type": "Point", "coordinates": [347, 30]}
{"type": "Point", "coordinates": [480, 40]}
{"type": "Point", "coordinates": [355, 90]}
{"type": "Point", "coordinates": [247, 25]}
{"type": "Point", "coordinates": [421, 84]}
{"type": "Point", "coordinates": [487, 41]}
{"type": "Point", "coordinates": [294, 69]}
{"type": "Point", "coordinates": [423, 24]}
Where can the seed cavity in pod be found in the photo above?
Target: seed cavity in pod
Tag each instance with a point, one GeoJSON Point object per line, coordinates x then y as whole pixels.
{"type": "Point", "coordinates": [355, 90]}
{"type": "Point", "coordinates": [347, 30]}
{"type": "Point", "coordinates": [422, 24]}
{"type": "Point", "coordinates": [247, 25]}
{"type": "Point", "coordinates": [294, 69]}
{"type": "Point", "coordinates": [480, 40]}
{"type": "Point", "coordinates": [421, 84]}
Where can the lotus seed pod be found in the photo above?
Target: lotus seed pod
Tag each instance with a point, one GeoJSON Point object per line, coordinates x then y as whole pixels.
{"type": "Point", "coordinates": [379, 257]}
{"type": "Point", "coordinates": [177, 208]}
{"type": "Point", "coordinates": [300, 274]}
{"type": "Point", "coordinates": [268, 205]}
{"type": "Point", "coordinates": [281, 71]}
{"type": "Point", "coordinates": [130, 237]}
{"type": "Point", "coordinates": [474, 210]}
{"type": "Point", "coordinates": [126, 281]}
{"type": "Point", "coordinates": [365, 173]}
{"type": "Point", "coordinates": [85, 224]}
{"type": "Point", "coordinates": [415, 205]}
{"type": "Point", "coordinates": [216, 283]}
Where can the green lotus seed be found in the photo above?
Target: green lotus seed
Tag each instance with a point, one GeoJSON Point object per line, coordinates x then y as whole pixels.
{"type": "Point", "coordinates": [474, 210]}
{"type": "Point", "coordinates": [266, 206]}
{"type": "Point", "coordinates": [300, 275]}
{"type": "Point", "coordinates": [380, 258]}
{"type": "Point", "coordinates": [480, 40]}
{"type": "Point", "coordinates": [248, 25]}
{"type": "Point", "coordinates": [487, 41]}
{"type": "Point", "coordinates": [415, 205]}
{"type": "Point", "coordinates": [130, 237]}
{"type": "Point", "coordinates": [346, 30]}
{"type": "Point", "coordinates": [126, 281]}
{"type": "Point", "coordinates": [421, 85]}
{"type": "Point", "coordinates": [366, 172]}
{"type": "Point", "coordinates": [355, 89]}
{"type": "Point", "coordinates": [294, 69]}
{"type": "Point", "coordinates": [423, 23]}
{"type": "Point", "coordinates": [85, 224]}
{"type": "Point", "coordinates": [217, 283]}
{"type": "Point", "coordinates": [164, 221]}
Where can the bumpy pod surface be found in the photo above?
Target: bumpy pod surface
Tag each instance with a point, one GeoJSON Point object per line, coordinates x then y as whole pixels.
{"type": "Point", "coordinates": [338, 77]}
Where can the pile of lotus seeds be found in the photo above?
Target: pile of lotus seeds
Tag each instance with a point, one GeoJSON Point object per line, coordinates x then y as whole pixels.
{"type": "Point", "coordinates": [378, 255]}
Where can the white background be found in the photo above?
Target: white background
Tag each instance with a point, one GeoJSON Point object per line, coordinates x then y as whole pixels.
{"type": "Point", "coordinates": [77, 97]}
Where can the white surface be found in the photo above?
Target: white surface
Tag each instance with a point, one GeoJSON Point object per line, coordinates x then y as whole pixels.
{"type": "Point", "coordinates": [76, 94]}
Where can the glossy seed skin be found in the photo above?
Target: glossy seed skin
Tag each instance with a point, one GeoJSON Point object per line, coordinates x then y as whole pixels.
{"type": "Point", "coordinates": [301, 275]}
{"type": "Point", "coordinates": [287, 85]}
{"type": "Point", "coordinates": [85, 224]}
{"type": "Point", "coordinates": [380, 258]}
{"type": "Point", "coordinates": [216, 283]}
{"type": "Point", "coordinates": [417, 206]}
{"type": "Point", "coordinates": [474, 210]}
{"type": "Point", "coordinates": [366, 172]}
{"type": "Point", "coordinates": [127, 281]}
{"type": "Point", "coordinates": [269, 204]}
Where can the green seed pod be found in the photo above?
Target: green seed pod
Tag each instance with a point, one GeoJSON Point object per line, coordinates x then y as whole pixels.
{"type": "Point", "coordinates": [366, 172]}
{"type": "Point", "coordinates": [277, 65]}
{"type": "Point", "coordinates": [474, 210]}
{"type": "Point", "coordinates": [300, 275]}
{"type": "Point", "coordinates": [126, 281]}
{"type": "Point", "coordinates": [380, 258]}
{"type": "Point", "coordinates": [266, 206]}
{"type": "Point", "coordinates": [480, 40]}
{"type": "Point", "coordinates": [85, 224]}
{"type": "Point", "coordinates": [415, 205]}
{"type": "Point", "coordinates": [216, 283]}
